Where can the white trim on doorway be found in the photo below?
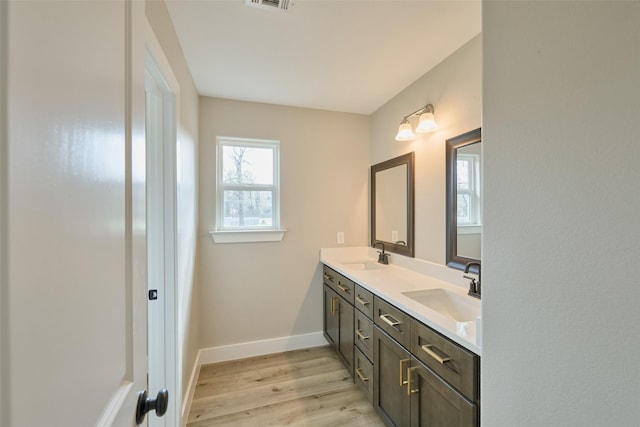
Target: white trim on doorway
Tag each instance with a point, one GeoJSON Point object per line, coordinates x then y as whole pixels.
{"type": "Point", "coordinates": [165, 344]}
{"type": "Point", "coordinates": [4, 264]}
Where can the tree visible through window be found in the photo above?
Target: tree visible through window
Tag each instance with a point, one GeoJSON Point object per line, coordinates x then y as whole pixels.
{"type": "Point", "coordinates": [248, 193]}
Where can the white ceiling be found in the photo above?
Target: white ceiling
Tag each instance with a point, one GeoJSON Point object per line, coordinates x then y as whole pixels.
{"type": "Point", "coordinates": [340, 55]}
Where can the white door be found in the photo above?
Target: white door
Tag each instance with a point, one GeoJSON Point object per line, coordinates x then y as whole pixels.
{"type": "Point", "coordinates": [74, 297]}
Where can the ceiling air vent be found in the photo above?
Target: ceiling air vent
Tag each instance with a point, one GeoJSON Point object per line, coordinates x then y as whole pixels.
{"type": "Point", "coordinates": [283, 5]}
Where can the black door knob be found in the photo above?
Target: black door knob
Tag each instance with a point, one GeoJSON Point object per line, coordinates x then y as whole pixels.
{"type": "Point", "coordinates": [146, 404]}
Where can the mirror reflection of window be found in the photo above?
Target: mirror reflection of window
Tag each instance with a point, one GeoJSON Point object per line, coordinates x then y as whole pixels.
{"type": "Point", "coordinates": [468, 189]}
{"type": "Point", "coordinates": [464, 213]}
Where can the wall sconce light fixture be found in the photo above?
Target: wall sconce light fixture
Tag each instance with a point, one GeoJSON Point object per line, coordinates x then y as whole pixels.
{"type": "Point", "coordinates": [427, 123]}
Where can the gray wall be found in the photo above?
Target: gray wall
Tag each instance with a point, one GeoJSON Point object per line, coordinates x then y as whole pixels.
{"type": "Point", "coordinates": [561, 148]}
{"type": "Point", "coordinates": [261, 291]}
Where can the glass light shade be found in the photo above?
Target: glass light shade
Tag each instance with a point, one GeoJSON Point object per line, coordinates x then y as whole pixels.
{"type": "Point", "coordinates": [427, 123]}
{"type": "Point", "coordinates": [405, 132]}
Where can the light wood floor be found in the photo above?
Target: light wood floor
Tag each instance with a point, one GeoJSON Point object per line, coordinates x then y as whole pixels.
{"type": "Point", "coordinates": [303, 388]}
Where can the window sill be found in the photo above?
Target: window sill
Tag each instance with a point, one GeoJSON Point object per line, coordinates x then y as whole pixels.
{"type": "Point", "coordinates": [469, 229]}
{"type": "Point", "coordinates": [247, 236]}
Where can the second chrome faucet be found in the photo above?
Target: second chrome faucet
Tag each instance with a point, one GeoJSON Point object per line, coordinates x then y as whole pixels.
{"type": "Point", "coordinates": [474, 287]}
{"type": "Point", "coordinates": [382, 257]}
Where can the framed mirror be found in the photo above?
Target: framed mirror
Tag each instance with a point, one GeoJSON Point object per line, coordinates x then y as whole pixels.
{"type": "Point", "coordinates": [464, 221]}
{"type": "Point", "coordinates": [392, 204]}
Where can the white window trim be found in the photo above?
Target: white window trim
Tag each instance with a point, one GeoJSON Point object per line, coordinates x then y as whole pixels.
{"type": "Point", "coordinates": [248, 235]}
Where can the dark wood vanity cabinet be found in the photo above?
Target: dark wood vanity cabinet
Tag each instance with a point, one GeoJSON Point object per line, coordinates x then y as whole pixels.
{"type": "Point", "coordinates": [412, 375]}
{"type": "Point", "coordinates": [338, 315]}
{"type": "Point", "coordinates": [421, 378]}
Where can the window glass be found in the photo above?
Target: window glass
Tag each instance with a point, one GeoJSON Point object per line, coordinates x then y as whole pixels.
{"type": "Point", "coordinates": [247, 184]}
{"type": "Point", "coordinates": [468, 189]}
{"type": "Point", "coordinates": [247, 165]}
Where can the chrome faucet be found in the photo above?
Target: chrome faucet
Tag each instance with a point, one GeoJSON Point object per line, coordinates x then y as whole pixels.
{"type": "Point", "coordinates": [474, 287]}
{"type": "Point", "coordinates": [382, 257]}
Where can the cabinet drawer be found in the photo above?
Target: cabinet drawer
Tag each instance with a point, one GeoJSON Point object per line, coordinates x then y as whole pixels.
{"type": "Point", "coordinates": [393, 321]}
{"type": "Point", "coordinates": [329, 276]}
{"type": "Point", "coordinates": [363, 374]}
{"type": "Point", "coordinates": [363, 301]}
{"type": "Point", "coordinates": [456, 365]}
{"type": "Point", "coordinates": [343, 286]}
{"type": "Point", "coordinates": [363, 334]}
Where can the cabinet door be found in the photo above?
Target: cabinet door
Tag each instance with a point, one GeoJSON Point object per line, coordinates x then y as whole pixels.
{"type": "Point", "coordinates": [331, 316]}
{"type": "Point", "coordinates": [345, 332]}
{"type": "Point", "coordinates": [434, 403]}
{"type": "Point", "coordinates": [390, 365]}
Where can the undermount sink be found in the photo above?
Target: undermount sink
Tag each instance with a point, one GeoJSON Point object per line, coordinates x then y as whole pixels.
{"type": "Point", "coordinates": [458, 307]}
{"type": "Point", "coordinates": [363, 265]}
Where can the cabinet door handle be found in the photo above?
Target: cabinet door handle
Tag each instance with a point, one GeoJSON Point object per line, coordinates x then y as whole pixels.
{"type": "Point", "coordinates": [362, 377]}
{"type": "Point", "coordinates": [410, 372]}
{"type": "Point", "coordinates": [328, 277]}
{"type": "Point", "coordinates": [389, 320]}
{"type": "Point", "coordinates": [427, 349]}
{"type": "Point", "coordinates": [344, 288]}
{"type": "Point", "coordinates": [361, 301]}
{"type": "Point", "coordinates": [334, 306]}
{"type": "Point", "coordinates": [361, 335]}
{"type": "Point", "coordinates": [402, 380]}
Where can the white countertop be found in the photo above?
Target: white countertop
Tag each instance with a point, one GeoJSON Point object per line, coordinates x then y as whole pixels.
{"type": "Point", "coordinates": [389, 282]}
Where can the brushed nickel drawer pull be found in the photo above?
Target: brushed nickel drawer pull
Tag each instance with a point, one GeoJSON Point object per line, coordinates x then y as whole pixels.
{"type": "Point", "coordinates": [427, 349]}
{"type": "Point", "coordinates": [344, 288]}
{"type": "Point", "coordinates": [328, 277]}
{"type": "Point", "coordinates": [361, 301]}
{"type": "Point", "coordinates": [389, 320]}
{"type": "Point", "coordinates": [410, 372]}
{"type": "Point", "coordinates": [362, 377]}
{"type": "Point", "coordinates": [361, 335]}
{"type": "Point", "coordinates": [402, 380]}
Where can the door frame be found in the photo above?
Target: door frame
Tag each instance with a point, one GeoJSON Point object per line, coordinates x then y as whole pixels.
{"type": "Point", "coordinates": [163, 329]}
{"type": "Point", "coordinates": [4, 277]}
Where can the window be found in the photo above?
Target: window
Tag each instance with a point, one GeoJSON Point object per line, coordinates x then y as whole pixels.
{"type": "Point", "coordinates": [468, 189]}
{"type": "Point", "coordinates": [248, 193]}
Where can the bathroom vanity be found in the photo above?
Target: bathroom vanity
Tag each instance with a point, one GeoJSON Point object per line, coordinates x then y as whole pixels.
{"type": "Point", "coordinates": [410, 340]}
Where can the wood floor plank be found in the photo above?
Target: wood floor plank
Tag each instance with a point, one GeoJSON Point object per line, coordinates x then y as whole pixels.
{"type": "Point", "coordinates": [341, 407]}
{"type": "Point", "coordinates": [263, 395]}
{"type": "Point", "coordinates": [250, 375]}
{"type": "Point", "coordinates": [300, 388]}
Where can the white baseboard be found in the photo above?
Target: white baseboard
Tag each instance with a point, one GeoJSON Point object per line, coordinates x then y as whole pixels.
{"type": "Point", "coordinates": [242, 351]}
{"type": "Point", "coordinates": [259, 348]}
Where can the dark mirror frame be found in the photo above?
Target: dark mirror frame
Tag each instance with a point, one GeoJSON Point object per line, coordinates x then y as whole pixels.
{"type": "Point", "coordinates": [453, 144]}
{"type": "Point", "coordinates": [406, 159]}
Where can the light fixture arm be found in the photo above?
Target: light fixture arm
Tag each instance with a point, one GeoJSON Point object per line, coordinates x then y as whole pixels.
{"type": "Point", "coordinates": [426, 109]}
